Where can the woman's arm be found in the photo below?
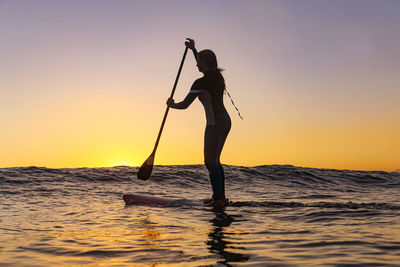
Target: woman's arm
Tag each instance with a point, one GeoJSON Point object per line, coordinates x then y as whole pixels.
{"type": "Point", "coordinates": [183, 104]}
{"type": "Point", "coordinates": [190, 44]}
{"type": "Point", "coordinates": [195, 53]}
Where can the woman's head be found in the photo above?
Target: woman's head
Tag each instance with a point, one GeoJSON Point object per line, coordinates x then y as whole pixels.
{"type": "Point", "coordinates": [207, 61]}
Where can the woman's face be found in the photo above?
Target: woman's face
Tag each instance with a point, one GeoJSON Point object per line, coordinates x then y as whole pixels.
{"type": "Point", "coordinates": [201, 65]}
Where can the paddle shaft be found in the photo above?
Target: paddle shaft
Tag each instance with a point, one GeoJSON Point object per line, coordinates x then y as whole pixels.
{"type": "Point", "coordinates": [172, 95]}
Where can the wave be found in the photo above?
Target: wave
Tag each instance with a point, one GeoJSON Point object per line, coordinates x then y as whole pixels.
{"type": "Point", "coordinates": [192, 174]}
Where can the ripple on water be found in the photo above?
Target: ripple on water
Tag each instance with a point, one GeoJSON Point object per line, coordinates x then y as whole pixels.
{"type": "Point", "coordinates": [279, 216]}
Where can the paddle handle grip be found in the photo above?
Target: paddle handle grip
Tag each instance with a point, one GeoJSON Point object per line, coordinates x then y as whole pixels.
{"type": "Point", "coordinates": [172, 95]}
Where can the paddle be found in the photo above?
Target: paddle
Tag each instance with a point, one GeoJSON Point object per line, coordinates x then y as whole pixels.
{"type": "Point", "coordinates": [146, 168]}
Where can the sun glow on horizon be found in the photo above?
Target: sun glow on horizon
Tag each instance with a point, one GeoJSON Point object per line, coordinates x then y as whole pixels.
{"type": "Point", "coordinates": [129, 163]}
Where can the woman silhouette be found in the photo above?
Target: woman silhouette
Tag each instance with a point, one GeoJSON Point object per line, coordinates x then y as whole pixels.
{"type": "Point", "coordinates": [210, 90]}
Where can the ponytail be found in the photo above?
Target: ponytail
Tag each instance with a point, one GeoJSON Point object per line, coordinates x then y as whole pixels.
{"type": "Point", "coordinates": [222, 83]}
{"type": "Point", "coordinates": [221, 80]}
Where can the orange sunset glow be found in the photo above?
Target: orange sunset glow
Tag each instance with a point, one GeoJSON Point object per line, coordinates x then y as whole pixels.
{"type": "Point", "coordinates": [86, 86]}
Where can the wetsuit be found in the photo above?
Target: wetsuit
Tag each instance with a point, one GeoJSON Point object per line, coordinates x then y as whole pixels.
{"type": "Point", "coordinates": [210, 94]}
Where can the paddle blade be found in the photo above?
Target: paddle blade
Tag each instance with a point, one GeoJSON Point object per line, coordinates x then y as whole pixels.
{"type": "Point", "coordinates": [144, 172]}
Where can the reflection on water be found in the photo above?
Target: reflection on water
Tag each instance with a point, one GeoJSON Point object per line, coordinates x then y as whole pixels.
{"type": "Point", "coordinates": [148, 230]}
{"type": "Point", "coordinates": [217, 242]}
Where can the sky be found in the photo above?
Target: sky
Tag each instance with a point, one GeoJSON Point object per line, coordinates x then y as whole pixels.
{"type": "Point", "coordinates": [84, 83]}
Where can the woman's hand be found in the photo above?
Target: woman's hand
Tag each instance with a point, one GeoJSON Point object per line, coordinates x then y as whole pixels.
{"type": "Point", "coordinates": [170, 102]}
{"type": "Point", "coordinates": [190, 43]}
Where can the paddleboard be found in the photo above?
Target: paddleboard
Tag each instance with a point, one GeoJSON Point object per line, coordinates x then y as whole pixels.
{"type": "Point", "coordinates": [142, 199]}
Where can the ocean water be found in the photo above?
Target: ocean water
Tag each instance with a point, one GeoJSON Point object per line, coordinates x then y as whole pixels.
{"type": "Point", "coordinates": [280, 215]}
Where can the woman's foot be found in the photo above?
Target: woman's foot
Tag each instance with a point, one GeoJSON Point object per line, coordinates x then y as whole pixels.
{"type": "Point", "coordinates": [219, 203]}
{"type": "Point", "coordinates": [208, 201]}
{"type": "Point", "coordinates": [216, 203]}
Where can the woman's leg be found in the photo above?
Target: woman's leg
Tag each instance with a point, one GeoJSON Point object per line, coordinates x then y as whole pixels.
{"type": "Point", "coordinates": [211, 160]}
{"type": "Point", "coordinates": [225, 127]}
{"type": "Point", "coordinates": [214, 141]}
